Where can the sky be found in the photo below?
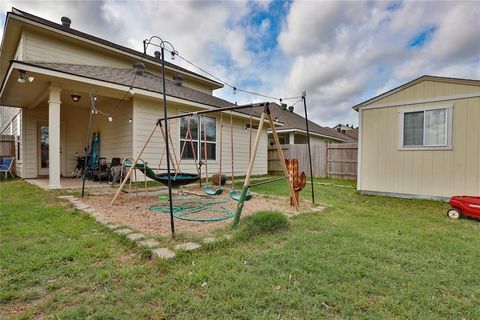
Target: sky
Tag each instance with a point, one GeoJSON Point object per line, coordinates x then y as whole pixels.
{"type": "Point", "coordinates": [340, 52]}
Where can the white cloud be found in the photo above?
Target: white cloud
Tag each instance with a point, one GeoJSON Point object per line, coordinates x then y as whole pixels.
{"type": "Point", "coordinates": [339, 52]}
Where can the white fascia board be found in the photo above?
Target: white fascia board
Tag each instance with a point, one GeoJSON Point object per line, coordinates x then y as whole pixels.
{"type": "Point", "coordinates": [421, 101]}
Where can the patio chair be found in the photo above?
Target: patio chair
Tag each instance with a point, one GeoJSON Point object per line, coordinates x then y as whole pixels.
{"type": "Point", "coordinates": [101, 172]}
{"type": "Point", "coordinates": [6, 166]}
{"type": "Point", "coordinates": [115, 170]}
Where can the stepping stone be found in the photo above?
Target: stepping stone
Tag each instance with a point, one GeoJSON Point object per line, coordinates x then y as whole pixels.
{"type": "Point", "coordinates": [188, 246]}
{"type": "Point", "coordinates": [163, 253]}
{"type": "Point", "coordinates": [123, 231]}
{"type": "Point", "coordinates": [81, 206]}
{"type": "Point", "coordinates": [209, 240]}
{"type": "Point", "coordinates": [150, 243]}
{"type": "Point", "coordinates": [114, 226]}
{"type": "Point", "coordinates": [135, 236]}
{"type": "Point", "coordinates": [65, 197]}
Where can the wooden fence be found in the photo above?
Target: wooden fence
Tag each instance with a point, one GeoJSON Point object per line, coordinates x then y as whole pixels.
{"type": "Point", "coordinates": [328, 160]}
{"type": "Point", "coordinates": [7, 148]}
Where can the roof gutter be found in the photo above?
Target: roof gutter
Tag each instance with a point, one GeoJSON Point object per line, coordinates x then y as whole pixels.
{"type": "Point", "coordinates": [311, 133]}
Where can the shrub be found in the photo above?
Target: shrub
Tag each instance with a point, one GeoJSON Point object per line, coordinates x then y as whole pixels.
{"type": "Point", "coordinates": [262, 222]}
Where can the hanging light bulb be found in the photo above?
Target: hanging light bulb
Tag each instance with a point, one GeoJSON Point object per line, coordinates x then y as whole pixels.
{"type": "Point", "coordinates": [110, 118]}
{"type": "Point", "coordinates": [130, 90]}
{"type": "Point", "coordinates": [234, 90]}
{"type": "Point", "coordinates": [130, 120]}
{"type": "Point", "coordinates": [94, 111]}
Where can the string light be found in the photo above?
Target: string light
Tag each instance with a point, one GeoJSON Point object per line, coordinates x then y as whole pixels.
{"type": "Point", "coordinates": [110, 118]}
{"type": "Point", "coordinates": [130, 120]}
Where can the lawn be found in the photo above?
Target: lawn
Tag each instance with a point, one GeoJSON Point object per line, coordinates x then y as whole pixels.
{"type": "Point", "coordinates": [362, 257]}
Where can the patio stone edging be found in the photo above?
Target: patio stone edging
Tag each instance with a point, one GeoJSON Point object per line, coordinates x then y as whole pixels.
{"type": "Point", "coordinates": [138, 238]}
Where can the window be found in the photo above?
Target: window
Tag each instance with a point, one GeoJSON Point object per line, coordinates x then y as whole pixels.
{"type": "Point", "coordinates": [426, 128]}
{"type": "Point", "coordinates": [207, 128]}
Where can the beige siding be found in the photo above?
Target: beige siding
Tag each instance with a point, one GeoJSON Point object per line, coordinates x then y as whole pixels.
{"type": "Point", "coordinates": [43, 47]}
{"type": "Point", "coordinates": [430, 173]}
{"type": "Point", "coordinates": [20, 52]}
{"type": "Point", "coordinates": [145, 114]}
{"type": "Point", "coordinates": [115, 136]}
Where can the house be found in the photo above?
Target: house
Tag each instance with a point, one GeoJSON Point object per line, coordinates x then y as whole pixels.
{"type": "Point", "coordinates": [294, 129]}
{"type": "Point", "coordinates": [421, 140]}
{"type": "Point", "coordinates": [348, 130]}
{"type": "Point", "coordinates": [49, 71]}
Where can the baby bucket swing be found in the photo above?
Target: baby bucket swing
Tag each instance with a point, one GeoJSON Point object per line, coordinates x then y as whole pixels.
{"type": "Point", "coordinates": [208, 189]}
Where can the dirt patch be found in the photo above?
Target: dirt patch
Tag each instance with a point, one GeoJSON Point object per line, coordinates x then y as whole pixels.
{"type": "Point", "coordinates": [134, 211]}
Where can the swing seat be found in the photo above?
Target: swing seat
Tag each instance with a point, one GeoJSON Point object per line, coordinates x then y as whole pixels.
{"type": "Point", "coordinates": [236, 195]}
{"type": "Point", "coordinates": [212, 192]}
{"type": "Point", "coordinates": [181, 179]}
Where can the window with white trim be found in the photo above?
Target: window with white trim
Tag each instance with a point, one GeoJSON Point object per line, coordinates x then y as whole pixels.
{"type": "Point", "coordinates": [207, 128]}
{"type": "Point", "coordinates": [429, 127]}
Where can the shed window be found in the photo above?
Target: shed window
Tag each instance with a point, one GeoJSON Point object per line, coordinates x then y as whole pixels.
{"type": "Point", "coordinates": [428, 128]}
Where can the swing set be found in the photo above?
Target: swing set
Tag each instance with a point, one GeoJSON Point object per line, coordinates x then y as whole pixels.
{"type": "Point", "coordinates": [177, 178]}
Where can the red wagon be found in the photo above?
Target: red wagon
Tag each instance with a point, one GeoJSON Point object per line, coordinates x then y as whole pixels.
{"type": "Point", "coordinates": [464, 206]}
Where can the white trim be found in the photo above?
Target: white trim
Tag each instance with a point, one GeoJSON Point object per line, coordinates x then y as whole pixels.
{"type": "Point", "coordinates": [419, 101]}
{"type": "Point", "coordinates": [359, 151]}
{"type": "Point", "coordinates": [449, 121]}
{"type": "Point", "coordinates": [95, 43]}
{"type": "Point", "coordinates": [305, 132]}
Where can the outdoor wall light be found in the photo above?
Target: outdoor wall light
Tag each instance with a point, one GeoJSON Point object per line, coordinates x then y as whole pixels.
{"type": "Point", "coordinates": [23, 77]}
{"type": "Point", "coordinates": [75, 97]}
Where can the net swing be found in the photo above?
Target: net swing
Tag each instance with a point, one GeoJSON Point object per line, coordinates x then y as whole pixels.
{"type": "Point", "coordinates": [209, 189]}
{"type": "Point", "coordinates": [234, 194]}
{"type": "Point", "coordinates": [177, 178]}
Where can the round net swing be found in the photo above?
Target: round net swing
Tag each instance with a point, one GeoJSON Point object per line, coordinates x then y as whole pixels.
{"type": "Point", "coordinates": [194, 208]}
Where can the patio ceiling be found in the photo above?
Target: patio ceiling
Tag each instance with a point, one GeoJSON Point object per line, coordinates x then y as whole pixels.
{"type": "Point", "coordinates": [31, 94]}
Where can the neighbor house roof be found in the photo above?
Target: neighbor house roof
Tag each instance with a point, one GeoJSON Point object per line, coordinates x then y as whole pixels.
{"type": "Point", "coordinates": [19, 13]}
{"type": "Point", "coordinates": [413, 82]}
{"type": "Point", "coordinates": [295, 122]}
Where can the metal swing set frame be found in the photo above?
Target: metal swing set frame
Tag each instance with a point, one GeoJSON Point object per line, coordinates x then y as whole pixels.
{"type": "Point", "coordinates": [266, 115]}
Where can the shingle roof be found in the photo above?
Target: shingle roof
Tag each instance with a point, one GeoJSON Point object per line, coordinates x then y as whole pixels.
{"type": "Point", "coordinates": [148, 81]}
{"type": "Point", "coordinates": [294, 121]}
{"type": "Point", "coordinates": [110, 44]}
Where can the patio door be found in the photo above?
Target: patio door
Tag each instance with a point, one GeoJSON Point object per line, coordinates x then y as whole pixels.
{"type": "Point", "coordinates": [43, 149]}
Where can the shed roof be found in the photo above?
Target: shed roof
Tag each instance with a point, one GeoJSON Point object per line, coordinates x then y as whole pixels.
{"type": "Point", "coordinates": [413, 82]}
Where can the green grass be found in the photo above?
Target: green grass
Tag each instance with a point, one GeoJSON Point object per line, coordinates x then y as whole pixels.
{"type": "Point", "coordinates": [362, 257]}
{"type": "Point", "coordinates": [262, 222]}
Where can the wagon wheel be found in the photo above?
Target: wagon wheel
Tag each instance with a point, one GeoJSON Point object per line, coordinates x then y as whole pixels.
{"type": "Point", "coordinates": [454, 213]}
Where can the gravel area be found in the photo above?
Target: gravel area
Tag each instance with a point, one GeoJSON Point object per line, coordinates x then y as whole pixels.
{"type": "Point", "coordinates": [133, 211]}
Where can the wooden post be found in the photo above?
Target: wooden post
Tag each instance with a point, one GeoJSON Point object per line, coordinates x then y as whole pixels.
{"type": "Point", "coordinates": [246, 183]}
{"type": "Point", "coordinates": [282, 160]}
{"type": "Point", "coordinates": [133, 165]}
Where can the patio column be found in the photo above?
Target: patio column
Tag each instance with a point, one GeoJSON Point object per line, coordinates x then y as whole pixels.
{"type": "Point", "coordinates": [291, 139]}
{"type": "Point", "coordinates": [54, 137]}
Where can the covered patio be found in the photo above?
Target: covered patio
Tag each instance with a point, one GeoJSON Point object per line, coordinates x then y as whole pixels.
{"type": "Point", "coordinates": [55, 114]}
